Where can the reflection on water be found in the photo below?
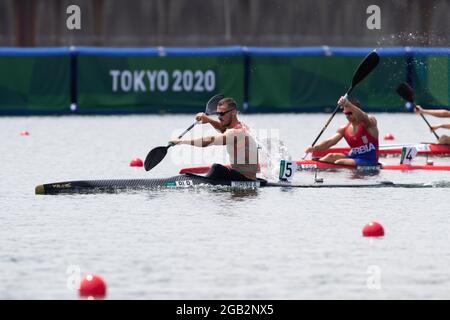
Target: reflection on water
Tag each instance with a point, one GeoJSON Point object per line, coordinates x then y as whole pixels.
{"type": "Point", "coordinates": [325, 175]}
{"type": "Point", "coordinates": [236, 194]}
{"type": "Point", "coordinates": [363, 174]}
{"type": "Point", "coordinates": [223, 192]}
{"type": "Point", "coordinates": [239, 195]}
{"type": "Point", "coordinates": [439, 184]}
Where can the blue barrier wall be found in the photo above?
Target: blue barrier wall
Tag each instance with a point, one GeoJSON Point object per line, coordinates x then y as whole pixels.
{"type": "Point", "coordinates": [144, 80]}
{"type": "Point", "coordinates": [35, 81]}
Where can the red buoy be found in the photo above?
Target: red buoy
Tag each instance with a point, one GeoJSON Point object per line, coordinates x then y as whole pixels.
{"type": "Point", "coordinates": [24, 133]}
{"type": "Point", "coordinates": [136, 162]}
{"type": "Point", "coordinates": [373, 229]}
{"type": "Point", "coordinates": [92, 286]}
{"type": "Point", "coordinates": [389, 136]}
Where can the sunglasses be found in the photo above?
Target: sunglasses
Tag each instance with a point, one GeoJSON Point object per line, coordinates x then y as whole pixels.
{"type": "Point", "coordinates": [221, 114]}
{"type": "Point", "coordinates": [348, 113]}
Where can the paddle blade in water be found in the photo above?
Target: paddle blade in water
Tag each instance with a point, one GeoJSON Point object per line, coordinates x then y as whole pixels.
{"type": "Point", "coordinates": [211, 105]}
{"type": "Point", "coordinates": [406, 92]}
{"type": "Point", "coordinates": [367, 65]}
{"type": "Point", "coordinates": [154, 157]}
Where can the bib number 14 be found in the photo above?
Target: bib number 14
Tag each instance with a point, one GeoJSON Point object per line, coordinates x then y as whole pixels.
{"type": "Point", "coordinates": [287, 170]}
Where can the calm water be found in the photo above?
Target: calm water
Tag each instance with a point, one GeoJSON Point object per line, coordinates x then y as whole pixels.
{"type": "Point", "coordinates": [210, 244]}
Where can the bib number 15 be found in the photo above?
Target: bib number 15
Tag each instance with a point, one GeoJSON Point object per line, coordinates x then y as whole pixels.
{"type": "Point", "coordinates": [287, 170]}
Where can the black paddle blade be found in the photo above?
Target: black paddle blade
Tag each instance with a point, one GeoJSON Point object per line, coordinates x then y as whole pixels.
{"type": "Point", "coordinates": [154, 157]}
{"type": "Point", "coordinates": [406, 92]}
{"type": "Point", "coordinates": [365, 67]}
{"type": "Point", "coordinates": [211, 105]}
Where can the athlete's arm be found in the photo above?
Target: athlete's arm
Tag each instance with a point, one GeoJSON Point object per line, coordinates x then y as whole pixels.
{"type": "Point", "coordinates": [326, 144]}
{"type": "Point", "coordinates": [368, 120]}
{"type": "Point", "coordinates": [442, 125]}
{"type": "Point", "coordinates": [202, 142]}
{"type": "Point", "coordinates": [214, 123]}
{"type": "Point", "coordinates": [441, 113]}
{"type": "Point", "coordinates": [218, 140]}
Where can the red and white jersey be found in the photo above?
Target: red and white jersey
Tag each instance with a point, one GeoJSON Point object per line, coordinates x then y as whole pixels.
{"type": "Point", "coordinates": [363, 144]}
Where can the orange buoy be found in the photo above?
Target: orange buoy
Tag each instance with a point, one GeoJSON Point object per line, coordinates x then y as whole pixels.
{"type": "Point", "coordinates": [136, 162]}
{"type": "Point", "coordinates": [389, 136]}
{"type": "Point", "coordinates": [373, 229]}
{"type": "Point", "coordinates": [92, 286]}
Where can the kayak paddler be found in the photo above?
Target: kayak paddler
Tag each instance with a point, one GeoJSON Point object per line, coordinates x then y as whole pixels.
{"type": "Point", "coordinates": [361, 134]}
{"type": "Point", "coordinates": [235, 135]}
{"type": "Point", "coordinates": [441, 113]}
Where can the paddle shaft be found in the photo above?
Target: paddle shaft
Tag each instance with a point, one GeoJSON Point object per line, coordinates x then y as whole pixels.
{"type": "Point", "coordinates": [407, 93]}
{"type": "Point", "coordinates": [184, 132]}
{"type": "Point", "coordinates": [432, 130]}
{"type": "Point", "coordinates": [187, 130]}
{"type": "Point", "coordinates": [328, 122]}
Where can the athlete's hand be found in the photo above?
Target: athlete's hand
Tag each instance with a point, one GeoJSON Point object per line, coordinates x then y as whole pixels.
{"type": "Point", "coordinates": [418, 109]}
{"type": "Point", "coordinates": [342, 101]}
{"type": "Point", "coordinates": [310, 149]}
{"type": "Point", "coordinates": [434, 127]}
{"type": "Point", "coordinates": [174, 142]}
{"type": "Point", "coordinates": [201, 116]}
